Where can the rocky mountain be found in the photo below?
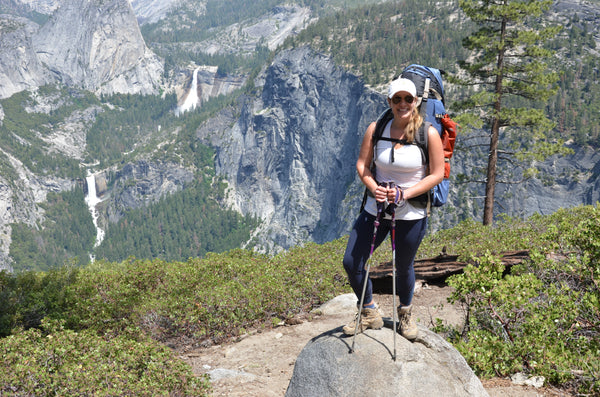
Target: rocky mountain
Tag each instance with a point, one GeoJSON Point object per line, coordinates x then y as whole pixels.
{"type": "Point", "coordinates": [20, 67]}
{"type": "Point", "coordinates": [152, 11]}
{"type": "Point", "coordinates": [286, 147]}
{"type": "Point", "coordinates": [272, 29]}
{"type": "Point", "coordinates": [97, 46]}
{"type": "Point", "coordinates": [289, 153]}
{"type": "Point", "coordinates": [94, 45]}
{"type": "Point", "coordinates": [20, 200]}
{"type": "Point", "coordinates": [45, 7]}
{"type": "Point", "coordinates": [565, 181]}
{"type": "Point", "coordinates": [104, 52]}
{"type": "Point", "coordinates": [139, 184]}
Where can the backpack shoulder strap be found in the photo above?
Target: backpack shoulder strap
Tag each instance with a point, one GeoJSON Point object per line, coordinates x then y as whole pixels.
{"type": "Point", "coordinates": [421, 136]}
{"type": "Point", "coordinates": [382, 121]}
{"type": "Point", "coordinates": [425, 98]}
{"type": "Point", "coordinates": [380, 124]}
{"type": "Point", "coordinates": [422, 140]}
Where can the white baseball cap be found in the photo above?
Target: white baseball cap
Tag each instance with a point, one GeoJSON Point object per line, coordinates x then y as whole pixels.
{"type": "Point", "coordinates": [402, 84]}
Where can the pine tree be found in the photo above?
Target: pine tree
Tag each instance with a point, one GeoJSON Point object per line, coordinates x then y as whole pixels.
{"type": "Point", "coordinates": [509, 63]}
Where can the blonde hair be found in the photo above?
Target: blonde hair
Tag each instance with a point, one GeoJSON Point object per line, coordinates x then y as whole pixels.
{"type": "Point", "coordinates": [413, 125]}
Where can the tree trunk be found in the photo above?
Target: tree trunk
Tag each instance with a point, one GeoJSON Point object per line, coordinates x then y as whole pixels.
{"type": "Point", "coordinates": [490, 184]}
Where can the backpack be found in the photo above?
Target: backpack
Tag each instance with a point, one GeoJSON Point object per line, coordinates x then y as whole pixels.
{"type": "Point", "coordinates": [430, 89]}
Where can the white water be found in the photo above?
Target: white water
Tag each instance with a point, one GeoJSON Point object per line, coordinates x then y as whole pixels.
{"type": "Point", "coordinates": [92, 200]}
{"type": "Point", "coordinates": [191, 100]}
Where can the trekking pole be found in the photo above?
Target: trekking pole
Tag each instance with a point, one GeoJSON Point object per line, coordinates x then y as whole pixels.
{"type": "Point", "coordinates": [393, 238]}
{"type": "Point", "coordinates": [362, 296]}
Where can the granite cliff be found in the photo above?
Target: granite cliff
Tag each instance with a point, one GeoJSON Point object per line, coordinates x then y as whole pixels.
{"type": "Point", "coordinates": [289, 156]}
{"type": "Point", "coordinates": [94, 45]}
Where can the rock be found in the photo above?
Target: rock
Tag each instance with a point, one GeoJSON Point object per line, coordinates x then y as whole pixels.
{"type": "Point", "coordinates": [152, 11]}
{"type": "Point", "coordinates": [522, 379]}
{"type": "Point", "coordinates": [223, 373]}
{"type": "Point", "coordinates": [143, 182]}
{"type": "Point", "coordinates": [69, 137]}
{"type": "Point", "coordinates": [90, 44]}
{"type": "Point", "coordinates": [340, 304]}
{"type": "Point", "coordinates": [242, 38]}
{"type": "Point", "coordinates": [98, 46]}
{"type": "Point", "coordinates": [429, 366]}
{"type": "Point", "coordinates": [20, 68]}
{"type": "Point", "coordinates": [101, 184]}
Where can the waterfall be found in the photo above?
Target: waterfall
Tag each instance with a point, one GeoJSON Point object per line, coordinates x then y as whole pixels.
{"type": "Point", "coordinates": [191, 100]}
{"type": "Point", "coordinates": [92, 200]}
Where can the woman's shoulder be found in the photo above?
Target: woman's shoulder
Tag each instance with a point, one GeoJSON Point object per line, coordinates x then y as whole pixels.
{"type": "Point", "coordinates": [432, 131]}
{"type": "Point", "coordinates": [371, 129]}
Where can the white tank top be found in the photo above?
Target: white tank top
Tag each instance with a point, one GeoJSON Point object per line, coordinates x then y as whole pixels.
{"type": "Point", "coordinates": [406, 170]}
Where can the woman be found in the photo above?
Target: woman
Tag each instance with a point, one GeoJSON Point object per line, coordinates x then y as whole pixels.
{"type": "Point", "coordinates": [411, 178]}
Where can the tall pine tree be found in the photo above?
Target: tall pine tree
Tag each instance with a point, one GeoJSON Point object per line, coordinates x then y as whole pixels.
{"type": "Point", "coordinates": [508, 62]}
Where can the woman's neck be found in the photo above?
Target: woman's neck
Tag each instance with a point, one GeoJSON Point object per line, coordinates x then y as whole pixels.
{"type": "Point", "coordinates": [397, 129]}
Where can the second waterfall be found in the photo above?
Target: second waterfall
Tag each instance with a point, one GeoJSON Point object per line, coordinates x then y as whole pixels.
{"type": "Point", "coordinates": [92, 200]}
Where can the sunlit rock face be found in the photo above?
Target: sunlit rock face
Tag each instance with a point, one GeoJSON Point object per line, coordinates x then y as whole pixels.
{"type": "Point", "coordinates": [289, 153]}
{"type": "Point", "coordinates": [20, 67]}
{"type": "Point", "coordinates": [97, 45]}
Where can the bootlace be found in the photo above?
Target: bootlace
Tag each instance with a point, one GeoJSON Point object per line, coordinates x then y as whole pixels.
{"type": "Point", "coordinates": [404, 319]}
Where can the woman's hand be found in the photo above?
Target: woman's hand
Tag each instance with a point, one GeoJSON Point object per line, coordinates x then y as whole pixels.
{"type": "Point", "coordinates": [385, 194]}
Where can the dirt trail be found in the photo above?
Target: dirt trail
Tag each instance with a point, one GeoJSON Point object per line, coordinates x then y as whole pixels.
{"type": "Point", "coordinates": [261, 364]}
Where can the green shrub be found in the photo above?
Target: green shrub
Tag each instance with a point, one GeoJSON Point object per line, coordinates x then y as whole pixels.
{"type": "Point", "coordinates": [217, 297]}
{"type": "Point", "coordinates": [29, 297]}
{"type": "Point", "coordinates": [544, 317]}
{"type": "Point", "coordinates": [69, 363]}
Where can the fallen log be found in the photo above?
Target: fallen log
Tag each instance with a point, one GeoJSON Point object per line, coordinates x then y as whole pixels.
{"type": "Point", "coordinates": [435, 269]}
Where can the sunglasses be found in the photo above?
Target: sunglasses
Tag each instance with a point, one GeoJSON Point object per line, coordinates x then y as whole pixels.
{"type": "Point", "coordinates": [408, 99]}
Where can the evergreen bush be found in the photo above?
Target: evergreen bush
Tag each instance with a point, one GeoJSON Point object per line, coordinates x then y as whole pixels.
{"type": "Point", "coordinates": [62, 362]}
{"type": "Point", "coordinates": [543, 317]}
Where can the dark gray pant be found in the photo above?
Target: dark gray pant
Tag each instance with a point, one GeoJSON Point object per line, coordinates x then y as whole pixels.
{"type": "Point", "coordinates": [409, 235]}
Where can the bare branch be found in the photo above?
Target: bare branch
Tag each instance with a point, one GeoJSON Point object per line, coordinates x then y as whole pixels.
{"type": "Point", "coordinates": [513, 182]}
{"type": "Point", "coordinates": [470, 181]}
{"type": "Point", "coordinates": [506, 152]}
{"type": "Point", "coordinates": [509, 160]}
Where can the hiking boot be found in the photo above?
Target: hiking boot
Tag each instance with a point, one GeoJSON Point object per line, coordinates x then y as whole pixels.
{"type": "Point", "coordinates": [406, 325]}
{"type": "Point", "coordinates": [369, 318]}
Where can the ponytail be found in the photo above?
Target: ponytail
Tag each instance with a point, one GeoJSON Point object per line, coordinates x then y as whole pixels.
{"type": "Point", "coordinates": [413, 126]}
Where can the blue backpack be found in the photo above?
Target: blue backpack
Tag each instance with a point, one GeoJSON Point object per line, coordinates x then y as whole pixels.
{"type": "Point", "coordinates": [430, 89]}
